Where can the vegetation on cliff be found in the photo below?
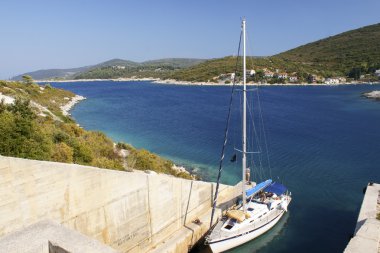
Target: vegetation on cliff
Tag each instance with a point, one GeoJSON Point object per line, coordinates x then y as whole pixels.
{"type": "Point", "coordinates": [27, 132]}
{"type": "Point", "coordinates": [142, 159]}
{"type": "Point", "coordinates": [340, 54]}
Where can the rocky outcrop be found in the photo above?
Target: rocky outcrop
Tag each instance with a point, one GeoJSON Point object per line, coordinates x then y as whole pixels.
{"type": "Point", "coordinates": [373, 94]}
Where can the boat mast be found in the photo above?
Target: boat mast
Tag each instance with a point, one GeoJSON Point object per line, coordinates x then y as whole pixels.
{"type": "Point", "coordinates": [244, 149]}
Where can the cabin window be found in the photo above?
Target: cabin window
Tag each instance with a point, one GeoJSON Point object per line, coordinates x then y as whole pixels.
{"type": "Point", "coordinates": [260, 216]}
{"type": "Point", "coordinates": [250, 209]}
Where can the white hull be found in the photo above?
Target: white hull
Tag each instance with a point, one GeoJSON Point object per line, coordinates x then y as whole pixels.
{"type": "Point", "coordinates": [230, 243]}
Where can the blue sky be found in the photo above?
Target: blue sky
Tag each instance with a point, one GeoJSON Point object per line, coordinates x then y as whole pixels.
{"type": "Point", "coordinates": [72, 33]}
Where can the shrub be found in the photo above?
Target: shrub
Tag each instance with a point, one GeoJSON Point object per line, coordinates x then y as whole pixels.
{"type": "Point", "coordinates": [62, 153]}
{"type": "Point", "coordinates": [103, 162]}
{"type": "Point", "coordinates": [123, 145]}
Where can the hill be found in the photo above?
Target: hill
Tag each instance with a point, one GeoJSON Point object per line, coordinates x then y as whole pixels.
{"type": "Point", "coordinates": [341, 53]}
{"type": "Point", "coordinates": [220, 70]}
{"type": "Point", "coordinates": [154, 68]}
{"type": "Point", "coordinates": [98, 70]}
{"type": "Point", "coordinates": [354, 54]}
{"type": "Point", "coordinates": [351, 54]}
{"type": "Point", "coordinates": [52, 73]}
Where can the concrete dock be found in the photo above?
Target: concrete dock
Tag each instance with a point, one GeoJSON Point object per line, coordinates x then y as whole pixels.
{"type": "Point", "coordinates": [109, 211]}
{"type": "Point", "coordinates": [367, 231]}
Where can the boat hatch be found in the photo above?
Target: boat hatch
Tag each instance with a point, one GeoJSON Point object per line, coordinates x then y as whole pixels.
{"type": "Point", "coordinates": [228, 226]}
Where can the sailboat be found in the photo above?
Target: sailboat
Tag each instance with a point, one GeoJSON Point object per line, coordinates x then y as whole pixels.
{"type": "Point", "coordinates": [262, 205]}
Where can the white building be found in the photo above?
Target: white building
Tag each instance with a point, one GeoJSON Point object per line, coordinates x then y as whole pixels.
{"type": "Point", "coordinates": [332, 81]}
{"type": "Point", "coordinates": [118, 67]}
{"type": "Point", "coordinates": [268, 74]}
{"type": "Point", "coordinates": [377, 72]}
{"type": "Point", "coordinates": [282, 75]}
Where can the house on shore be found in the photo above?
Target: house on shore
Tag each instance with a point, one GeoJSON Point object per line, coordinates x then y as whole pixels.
{"type": "Point", "coordinates": [282, 75]}
{"type": "Point", "coordinates": [332, 81]}
{"type": "Point", "coordinates": [268, 74]}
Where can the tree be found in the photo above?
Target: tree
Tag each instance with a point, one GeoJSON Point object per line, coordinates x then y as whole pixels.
{"type": "Point", "coordinates": [27, 79]}
{"type": "Point", "coordinates": [355, 73]}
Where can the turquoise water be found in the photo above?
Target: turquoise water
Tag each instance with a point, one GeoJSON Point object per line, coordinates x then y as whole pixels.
{"type": "Point", "coordinates": [324, 145]}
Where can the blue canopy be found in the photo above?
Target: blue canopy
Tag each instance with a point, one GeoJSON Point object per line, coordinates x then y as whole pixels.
{"type": "Point", "coordinates": [276, 188]}
{"type": "Point", "coordinates": [258, 188]}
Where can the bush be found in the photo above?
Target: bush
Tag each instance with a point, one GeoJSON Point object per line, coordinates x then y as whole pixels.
{"type": "Point", "coordinates": [122, 145]}
{"type": "Point", "coordinates": [103, 162]}
{"type": "Point", "coordinates": [62, 153]}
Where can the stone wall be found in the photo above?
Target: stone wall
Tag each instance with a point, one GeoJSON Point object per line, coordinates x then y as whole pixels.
{"type": "Point", "coordinates": [129, 211]}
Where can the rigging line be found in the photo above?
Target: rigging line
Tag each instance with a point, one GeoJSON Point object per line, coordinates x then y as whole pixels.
{"type": "Point", "coordinates": [250, 50]}
{"type": "Point", "coordinates": [260, 155]}
{"type": "Point", "coordinates": [264, 132]}
{"type": "Point", "coordinates": [261, 116]}
{"type": "Point", "coordinates": [259, 133]}
{"type": "Point", "coordinates": [225, 136]}
{"type": "Point", "coordinates": [258, 141]}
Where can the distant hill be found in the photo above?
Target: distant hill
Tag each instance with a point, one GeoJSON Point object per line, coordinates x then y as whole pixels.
{"type": "Point", "coordinates": [117, 64]}
{"type": "Point", "coordinates": [174, 62]}
{"type": "Point", "coordinates": [352, 54]}
{"type": "Point", "coordinates": [52, 73]}
{"type": "Point", "coordinates": [359, 48]}
{"type": "Point", "coordinates": [154, 68]}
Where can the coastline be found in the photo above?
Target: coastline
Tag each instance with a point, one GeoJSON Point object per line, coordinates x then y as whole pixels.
{"type": "Point", "coordinates": [122, 152]}
{"type": "Point", "coordinates": [372, 95]}
{"type": "Point", "coordinates": [188, 83]}
{"type": "Point", "coordinates": [68, 106]}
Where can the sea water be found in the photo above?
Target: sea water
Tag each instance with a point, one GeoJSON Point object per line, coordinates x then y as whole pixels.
{"type": "Point", "coordinates": [323, 142]}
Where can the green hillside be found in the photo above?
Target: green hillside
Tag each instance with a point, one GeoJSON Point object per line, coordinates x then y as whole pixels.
{"type": "Point", "coordinates": [339, 54]}
{"type": "Point", "coordinates": [154, 68]}
{"type": "Point", "coordinates": [350, 54]}
{"type": "Point", "coordinates": [217, 70]}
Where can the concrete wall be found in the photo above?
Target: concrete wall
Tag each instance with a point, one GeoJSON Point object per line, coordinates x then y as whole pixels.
{"type": "Point", "coordinates": [131, 212]}
{"type": "Point", "coordinates": [367, 231]}
{"type": "Point", "coordinates": [50, 237]}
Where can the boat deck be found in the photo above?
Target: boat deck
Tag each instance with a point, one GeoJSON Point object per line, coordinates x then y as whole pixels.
{"type": "Point", "coordinates": [260, 214]}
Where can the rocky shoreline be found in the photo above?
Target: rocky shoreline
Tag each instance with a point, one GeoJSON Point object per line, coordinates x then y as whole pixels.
{"type": "Point", "coordinates": [372, 95]}
{"type": "Point", "coordinates": [177, 82]}
{"type": "Point", "coordinates": [67, 107]}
